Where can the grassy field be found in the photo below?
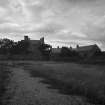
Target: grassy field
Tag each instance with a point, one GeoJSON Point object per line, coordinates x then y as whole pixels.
{"type": "Point", "coordinates": [72, 79]}
{"type": "Point", "coordinates": [4, 77]}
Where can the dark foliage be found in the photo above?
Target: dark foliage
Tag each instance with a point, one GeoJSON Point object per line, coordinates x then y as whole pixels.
{"type": "Point", "coordinates": [9, 47]}
{"type": "Point", "coordinates": [66, 52]}
{"type": "Point", "coordinates": [5, 45]}
{"type": "Point", "coordinates": [20, 48]}
{"type": "Point", "coordinates": [45, 49]}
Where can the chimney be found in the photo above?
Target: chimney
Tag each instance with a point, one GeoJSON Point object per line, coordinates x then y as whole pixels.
{"type": "Point", "coordinates": [42, 40]}
{"type": "Point", "coordinates": [58, 47]}
{"type": "Point", "coordinates": [77, 46]}
{"type": "Point", "coordinates": [26, 38]}
{"type": "Point", "coordinates": [70, 48]}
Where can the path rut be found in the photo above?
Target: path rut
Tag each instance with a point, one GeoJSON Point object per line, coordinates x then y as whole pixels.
{"type": "Point", "coordinates": [26, 90]}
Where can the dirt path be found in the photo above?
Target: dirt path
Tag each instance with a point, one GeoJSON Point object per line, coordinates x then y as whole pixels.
{"type": "Point", "coordinates": [26, 90]}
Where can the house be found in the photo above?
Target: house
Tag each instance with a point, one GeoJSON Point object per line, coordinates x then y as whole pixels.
{"type": "Point", "coordinates": [56, 50]}
{"type": "Point", "coordinates": [34, 46]}
{"type": "Point", "coordinates": [87, 51]}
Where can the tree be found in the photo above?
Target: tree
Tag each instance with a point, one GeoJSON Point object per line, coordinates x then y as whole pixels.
{"type": "Point", "coordinates": [45, 50]}
{"type": "Point", "coordinates": [6, 45]}
{"type": "Point", "coordinates": [20, 47]}
{"type": "Point", "coordinates": [66, 52]}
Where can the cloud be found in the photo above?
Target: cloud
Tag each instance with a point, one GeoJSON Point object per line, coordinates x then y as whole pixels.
{"type": "Point", "coordinates": [96, 30]}
{"type": "Point", "coordinates": [55, 19]}
{"type": "Point", "coordinates": [73, 43]}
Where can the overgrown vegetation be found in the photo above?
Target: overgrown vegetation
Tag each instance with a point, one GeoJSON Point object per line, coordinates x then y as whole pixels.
{"type": "Point", "coordinates": [4, 78]}
{"type": "Point", "coordinates": [9, 47]}
{"type": "Point", "coordinates": [45, 49]}
{"type": "Point", "coordinates": [73, 79]}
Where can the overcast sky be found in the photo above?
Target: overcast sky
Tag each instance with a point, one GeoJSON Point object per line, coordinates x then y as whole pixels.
{"type": "Point", "coordinates": [61, 22]}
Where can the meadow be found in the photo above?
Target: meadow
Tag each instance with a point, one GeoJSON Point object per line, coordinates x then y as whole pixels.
{"type": "Point", "coordinates": [4, 79]}
{"type": "Point", "coordinates": [83, 80]}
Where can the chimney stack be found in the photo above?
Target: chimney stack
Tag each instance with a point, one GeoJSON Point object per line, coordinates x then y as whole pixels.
{"type": "Point", "coordinates": [77, 46]}
{"type": "Point", "coordinates": [42, 40]}
{"type": "Point", "coordinates": [26, 38]}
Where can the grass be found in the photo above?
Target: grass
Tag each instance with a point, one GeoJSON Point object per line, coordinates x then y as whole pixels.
{"type": "Point", "coordinates": [4, 75]}
{"type": "Point", "coordinates": [73, 79]}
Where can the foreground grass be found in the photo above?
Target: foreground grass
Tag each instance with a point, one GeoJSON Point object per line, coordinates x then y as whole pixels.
{"type": "Point", "coordinates": [4, 77]}
{"type": "Point", "coordinates": [73, 79]}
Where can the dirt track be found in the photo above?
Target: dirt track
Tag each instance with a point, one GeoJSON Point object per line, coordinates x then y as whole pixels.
{"type": "Point", "coordinates": [26, 90]}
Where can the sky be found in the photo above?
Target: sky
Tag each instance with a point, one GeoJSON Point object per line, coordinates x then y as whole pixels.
{"type": "Point", "coordinates": [61, 22]}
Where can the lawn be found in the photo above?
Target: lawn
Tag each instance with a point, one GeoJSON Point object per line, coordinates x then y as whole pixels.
{"type": "Point", "coordinates": [72, 79]}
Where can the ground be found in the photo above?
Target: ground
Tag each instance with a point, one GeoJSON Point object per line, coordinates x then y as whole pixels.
{"type": "Point", "coordinates": [27, 89]}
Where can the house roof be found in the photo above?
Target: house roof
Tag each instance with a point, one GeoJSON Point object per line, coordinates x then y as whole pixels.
{"type": "Point", "coordinates": [34, 41]}
{"type": "Point", "coordinates": [56, 50]}
{"type": "Point", "coordinates": [86, 48]}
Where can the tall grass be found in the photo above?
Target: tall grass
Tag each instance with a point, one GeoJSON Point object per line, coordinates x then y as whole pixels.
{"type": "Point", "coordinates": [4, 74]}
{"type": "Point", "coordinates": [73, 79]}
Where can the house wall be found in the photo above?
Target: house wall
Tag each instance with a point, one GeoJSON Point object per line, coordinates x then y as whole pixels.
{"type": "Point", "coordinates": [34, 46]}
{"type": "Point", "coordinates": [89, 53]}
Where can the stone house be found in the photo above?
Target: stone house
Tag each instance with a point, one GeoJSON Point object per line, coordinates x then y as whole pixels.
{"type": "Point", "coordinates": [34, 46]}
{"type": "Point", "coordinates": [56, 50]}
{"type": "Point", "coordinates": [87, 51]}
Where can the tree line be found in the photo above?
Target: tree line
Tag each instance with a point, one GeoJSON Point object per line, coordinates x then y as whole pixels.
{"type": "Point", "coordinates": [10, 47]}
